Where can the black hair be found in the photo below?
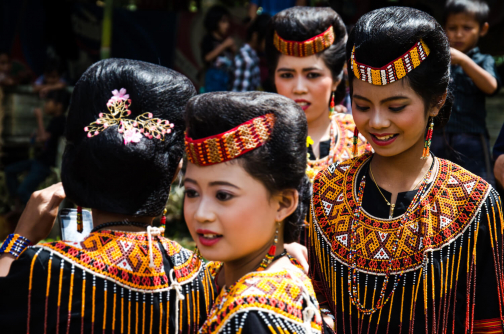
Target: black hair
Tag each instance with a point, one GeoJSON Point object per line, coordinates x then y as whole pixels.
{"type": "Point", "coordinates": [213, 17]}
{"type": "Point", "coordinates": [479, 9]}
{"type": "Point", "coordinates": [281, 162]}
{"type": "Point", "coordinates": [259, 26]}
{"type": "Point", "coordinates": [53, 65]}
{"type": "Point", "coordinates": [302, 23]}
{"type": "Point", "coordinates": [385, 34]}
{"type": "Point", "coordinates": [102, 172]}
{"type": "Point", "coordinates": [59, 96]}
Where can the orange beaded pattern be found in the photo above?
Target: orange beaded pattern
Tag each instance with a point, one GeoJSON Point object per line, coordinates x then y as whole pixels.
{"type": "Point", "coordinates": [304, 48]}
{"type": "Point", "coordinates": [230, 144]}
{"type": "Point", "coordinates": [393, 71]}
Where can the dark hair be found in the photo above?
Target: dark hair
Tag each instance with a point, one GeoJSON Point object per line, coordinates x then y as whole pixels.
{"type": "Point", "coordinates": [213, 16]}
{"type": "Point", "coordinates": [59, 96]}
{"type": "Point", "coordinates": [302, 23]}
{"type": "Point", "coordinates": [479, 9]}
{"type": "Point", "coordinates": [281, 162]}
{"type": "Point", "coordinates": [102, 172]}
{"type": "Point", "coordinates": [259, 26]}
{"type": "Point", "coordinates": [385, 34]}
{"type": "Point", "coordinates": [53, 65]}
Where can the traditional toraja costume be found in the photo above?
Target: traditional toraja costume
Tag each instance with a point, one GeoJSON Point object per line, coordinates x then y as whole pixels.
{"type": "Point", "coordinates": [261, 301]}
{"type": "Point", "coordinates": [434, 266]}
{"type": "Point", "coordinates": [343, 144]}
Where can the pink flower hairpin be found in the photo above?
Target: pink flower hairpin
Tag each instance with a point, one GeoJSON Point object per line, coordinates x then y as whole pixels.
{"type": "Point", "coordinates": [131, 129]}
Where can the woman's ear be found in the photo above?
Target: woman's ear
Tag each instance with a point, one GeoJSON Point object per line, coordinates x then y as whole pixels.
{"type": "Point", "coordinates": [335, 85]}
{"type": "Point", "coordinates": [288, 200]}
{"type": "Point", "coordinates": [437, 107]}
{"type": "Point", "coordinates": [179, 167]}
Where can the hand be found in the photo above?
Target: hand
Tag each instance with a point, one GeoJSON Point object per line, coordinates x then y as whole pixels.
{"type": "Point", "coordinates": [300, 253]}
{"type": "Point", "coordinates": [329, 321]}
{"type": "Point", "coordinates": [38, 113]}
{"type": "Point", "coordinates": [499, 170]}
{"type": "Point", "coordinates": [228, 42]}
{"type": "Point", "coordinates": [457, 57]}
{"type": "Point", "coordinates": [340, 109]}
{"type": "Point", "coordinates": [43, 92]}
{"type": "Point", "coordinates": [40, 213]}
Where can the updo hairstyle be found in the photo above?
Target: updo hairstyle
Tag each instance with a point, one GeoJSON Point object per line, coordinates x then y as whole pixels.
{"type": "Point", "coordinates": [281, 162]}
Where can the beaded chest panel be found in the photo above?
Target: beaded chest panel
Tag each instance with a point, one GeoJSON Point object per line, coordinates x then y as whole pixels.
{"type": "Point", "coordinates": [280, 295]}
{"type": "Point", "coordinates": [445, 211]}
{"type": "Point", "coordinates": [126, 259]}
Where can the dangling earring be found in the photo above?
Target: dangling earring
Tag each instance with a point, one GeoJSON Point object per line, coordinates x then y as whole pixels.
{"type": "Point", "coordinates": [355, 139]}
{"type": "Point", "coordinates": [80, 225]}
{"type": "Point", "coordinates": [428, 139]}
{"type": "Point", "coordinates": [162, 222]}
{"type": "Point", "coordinates": [331, 106]}
{"type": "Point", "coordinates": [271, 253]}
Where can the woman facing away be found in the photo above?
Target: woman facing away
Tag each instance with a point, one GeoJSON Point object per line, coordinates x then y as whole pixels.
{"type": "Point", "coordinates": [305, 48]}
{"type": "Point", "coordinates": [402, 241]}
{"type": "Point", "coordinates": [246, 195]}
{"type": "Point", "coordinates": [124, 136]}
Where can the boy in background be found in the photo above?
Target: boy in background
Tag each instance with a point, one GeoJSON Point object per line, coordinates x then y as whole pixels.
{"type": "Point", "coordinates": [39, 168]}
{"type": "Point", "coordinates": [465, 139]}
{"type": "Point", "coordinates": [247, 74]}
{"type": "Point", "coordinates": [50, 80]}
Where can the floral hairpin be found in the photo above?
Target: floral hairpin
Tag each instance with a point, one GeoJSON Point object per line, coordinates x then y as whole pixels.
{"type": "Point", "coordinates": [131, 129]}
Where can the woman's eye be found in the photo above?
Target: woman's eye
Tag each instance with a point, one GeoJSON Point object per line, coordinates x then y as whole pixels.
{"type": "Point", "coordinates": [361, 108]}
{"type": "Point", "coordinates": [396, 109]}
{"type": "Point", "coordinates": [286, 75]}
{"type": "Point", "coordinates": [190, 193]}
{"type": "Point", "coordinates": [223, 196]}
{"type": "Point", "coordinates": [313, 75]}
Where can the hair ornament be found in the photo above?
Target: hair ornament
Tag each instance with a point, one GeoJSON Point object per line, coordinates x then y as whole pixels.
{"type": "Point", "coordinates": [306, 48]}
{"type": "Point", "coordinates": [131, 129]}
{"type": "Point", "coordinates": [393, 71]}
{"type": "Point", "coordinates": [230, 144]}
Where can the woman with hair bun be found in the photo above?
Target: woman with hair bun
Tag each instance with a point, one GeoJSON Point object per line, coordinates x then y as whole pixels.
{"type": "Point", "coordinates": [246, 196]}
{"type": "Point", "coordinates": [402, 241]}
{"type": "Point", "coordinates": [124, 132]}
{"type": "Point", "coordinates": [305, 48]}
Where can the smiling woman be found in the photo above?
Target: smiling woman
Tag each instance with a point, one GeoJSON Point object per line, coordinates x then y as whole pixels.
{"type": "Point", "coordinates": [416, 241]}
{"type": "Point", "coordinates": [246, 195]}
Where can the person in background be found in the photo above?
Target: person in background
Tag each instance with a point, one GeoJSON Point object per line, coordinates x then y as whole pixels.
{"type": "Point", "coordinates": [50, 80]}
{"type": "Point", "coordinates": [473, 77]}
{"type": "Point", "coordinates": [6, 78]}
{"type": "Point", "coordinates": [271, 7]}
{"type": "Point", "coordinates": [39, 168]}
{"type": "Point", "coordinates": [217, 50]}
{"type": "Point", "coordinates": [247, 75]}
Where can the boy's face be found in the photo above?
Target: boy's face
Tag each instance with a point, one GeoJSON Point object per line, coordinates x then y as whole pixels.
{"type": "Point", "coordinates": [223, 26]}
{"type": "Point", "coordinates": [463, 31]}
{"type": "Point", "coordinates": [5, 63]}
{"type": "Point", "coordinates": [52, 78]}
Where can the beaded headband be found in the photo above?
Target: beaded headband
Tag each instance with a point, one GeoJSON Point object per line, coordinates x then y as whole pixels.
{"type": "Point", "coordinates": [230, 144]}
{"type": "Point", "coordinates": [131, 129]}
{"type": "Point", "coordinates": [305, 48]}
{"type": "Point", "coordinates": [393, 71]}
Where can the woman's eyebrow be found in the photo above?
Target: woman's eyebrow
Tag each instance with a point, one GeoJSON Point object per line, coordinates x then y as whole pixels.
{"type": "Point", "coordinates": [223, 183]}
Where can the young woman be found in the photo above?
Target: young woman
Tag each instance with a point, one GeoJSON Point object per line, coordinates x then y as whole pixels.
{"type": "Point", "coordinates": [246, 195]}
{"type": "Point", "coordinates": [124, 144]}
{"type": "Point", "coordinates": [306, 54]}
{"type": "Point", "coordinates": [399, 243]}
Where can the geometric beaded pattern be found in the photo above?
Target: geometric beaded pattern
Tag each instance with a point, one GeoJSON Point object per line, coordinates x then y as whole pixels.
{"type": "Point", "coordinates": [444, 212]}
{"type": "Point", "coordinates": [393, 71]}
{"type": "Point", "coordinates": [230, 144]}
{"type": "Point", "coordinates": [277, 293]}
{"type": "Point", "coordinates": [15, 244]}
{"type": "Point", "coordinates": [304, 48]}
{"type": "Point", "coordinates": [124, 258]}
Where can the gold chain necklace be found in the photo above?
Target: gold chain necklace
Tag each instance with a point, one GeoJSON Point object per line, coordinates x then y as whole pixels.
{"type": "Point", "coordinates": [392, 205]}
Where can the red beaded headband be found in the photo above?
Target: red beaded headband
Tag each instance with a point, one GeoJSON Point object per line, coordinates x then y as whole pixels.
{"type": "Point", "coordinates": [230, 144]}
{"type": "Point", "coordinates": [393, 71]}
{"type": "Point", "coordinates": [305, 48]}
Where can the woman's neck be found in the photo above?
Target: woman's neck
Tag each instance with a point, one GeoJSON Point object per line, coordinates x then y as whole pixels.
{"type": "Point", "coordinates": [102, 217]}
{"type": "Point", "coordinates": [319, 130]}
{"type": "Point", "coordinates": [401, 172]}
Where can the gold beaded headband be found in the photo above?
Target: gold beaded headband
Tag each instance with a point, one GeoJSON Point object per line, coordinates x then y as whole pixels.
{"type": "Point", "coordinates": [393, 71]}
{"type": "Point", "coordinates": [131, 129]}
{"type": "Point", "coordinates": [305, 48]}
{"type": "Point", "coordinates": [230, 144]}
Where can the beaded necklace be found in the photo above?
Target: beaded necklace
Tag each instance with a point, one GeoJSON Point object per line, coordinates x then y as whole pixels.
{"type": "Point", "coordinates": [353, 272]}
{"type": "Point", "coordinates": [121, 223]}
{"type": "Point", "coordinates": [314, 166]}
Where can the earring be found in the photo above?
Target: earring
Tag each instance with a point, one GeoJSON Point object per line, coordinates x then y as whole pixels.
{"type": "Point", "coordinates": [271, 253]}
{"type": "Point", "coordinates": [163, 219]}
{"type": "Point", "coordinates": [80, 225]}
{"type": "Point", "coordinates": [331, 106]}
{"type": "Point", "coordinates": [355, 140]}
{"type": "Point", "coordinates": [428, 139]}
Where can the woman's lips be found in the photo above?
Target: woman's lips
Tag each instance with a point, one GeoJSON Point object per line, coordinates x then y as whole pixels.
{"type": "Point", "coordinates": [383, 139]}
{"type": "Point", "coordinates": [303, 104]}
{"type": "Point", "coordinates": [207, 237]}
